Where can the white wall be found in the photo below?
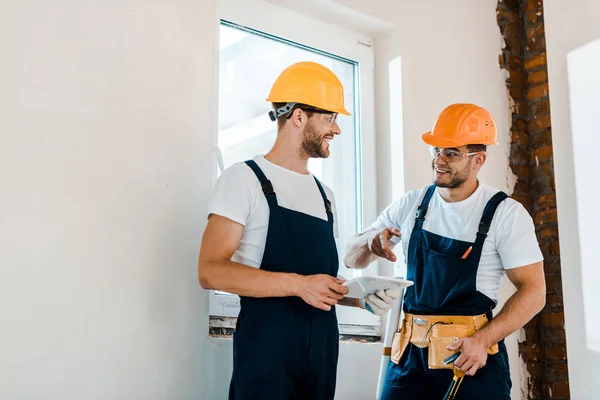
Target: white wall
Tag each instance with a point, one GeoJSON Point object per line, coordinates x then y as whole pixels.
{"type": "Point", "coordinates": [569, 27]}
{"type": "Point", "coordinates": [107, 114]}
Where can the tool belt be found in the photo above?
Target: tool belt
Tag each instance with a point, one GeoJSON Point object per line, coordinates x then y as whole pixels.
{"type": "Point", "coordinates": [436, 332]}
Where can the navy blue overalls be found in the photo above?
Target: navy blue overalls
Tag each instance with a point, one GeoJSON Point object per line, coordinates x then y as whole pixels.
{"type": "Point", "coordinates": [284, 348]}
{"type": "Point", "coordinates": [445, 284]}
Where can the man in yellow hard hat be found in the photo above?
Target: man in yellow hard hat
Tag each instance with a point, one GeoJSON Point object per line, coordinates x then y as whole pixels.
{"type": "Point", "coordinates": [270, 238]}
{"type": "Point", "coordinates": [460, 237]}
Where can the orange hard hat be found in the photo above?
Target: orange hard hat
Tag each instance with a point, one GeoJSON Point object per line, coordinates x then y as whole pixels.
{"type": "Point", "coordinates": [309, 83]}
{"type": "Point", "coordinates": [462, 124]}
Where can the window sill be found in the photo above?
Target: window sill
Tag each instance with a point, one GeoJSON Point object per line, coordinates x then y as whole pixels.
{"type": "Point", "coordinates": [223, 327]}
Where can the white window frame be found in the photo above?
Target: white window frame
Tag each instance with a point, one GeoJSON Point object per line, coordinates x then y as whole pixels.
{"type": "Point", "coordinates": [307, 31]}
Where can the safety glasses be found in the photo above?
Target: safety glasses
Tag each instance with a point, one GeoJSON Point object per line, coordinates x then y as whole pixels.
{"type": "Point", "coordinates": [326, 117]}
{"type": "Point", "coordinates": [450, 155]}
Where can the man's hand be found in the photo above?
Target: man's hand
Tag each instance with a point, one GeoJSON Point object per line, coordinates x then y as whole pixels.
{"type": "Point", "coordinates": [380, 302]}
{"type": "Point", "coordinates": [379, 243]}
{"type": "Point", "coordinates": [473, 354]}
{"type": "Point", "coordinates": [321, 291]}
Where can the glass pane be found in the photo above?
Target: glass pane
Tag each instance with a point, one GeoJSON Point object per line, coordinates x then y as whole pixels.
{"type": "Point", "coordinates": [249, 64]}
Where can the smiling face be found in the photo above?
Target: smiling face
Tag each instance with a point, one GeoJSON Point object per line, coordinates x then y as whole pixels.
{"type": "Point", "coordinates": [453, 167]}
{"type": "Point", "coordinates": [317, 137]}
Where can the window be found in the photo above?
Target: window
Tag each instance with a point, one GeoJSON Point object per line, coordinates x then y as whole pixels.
{"type": "Point", "coordinates": [250, 61]}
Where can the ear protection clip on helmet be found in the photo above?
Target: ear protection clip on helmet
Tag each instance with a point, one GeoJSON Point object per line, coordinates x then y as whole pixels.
{"type": "Point", "coordinates": [274, 114]}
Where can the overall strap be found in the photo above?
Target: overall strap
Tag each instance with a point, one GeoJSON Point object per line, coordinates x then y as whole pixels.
{"type": "Point", "coordinates": [422, 209]}
{"type": "Point", "coordinates": [325, 199]}
{"type": "Point", "coordinates": [267, 187]}
{"type": "Point", "coordinates": [488, 214]}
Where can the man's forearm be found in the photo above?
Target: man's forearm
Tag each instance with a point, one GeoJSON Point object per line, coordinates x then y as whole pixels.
{"type": "Point", "coordinates": [523, 305]}
{"type": "Point", "coordinates": [358, 255]}
{"type": "Point", "coordinates": [243, 280]}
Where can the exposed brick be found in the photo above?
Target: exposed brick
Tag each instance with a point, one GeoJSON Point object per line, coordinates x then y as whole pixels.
{"type": "Point", "coordinates": [533, 5]}
{"type": "Point", "coordinates": [508, 15]}
{"type": "Point", "coordinates": [557, 352]}
{"type": "Point", "coordinates": [536, 31]}
{"type": "Point", "coordinates": [542, 106]}
{"type": "Point", "coordinates": [541, 154]}
{"type": "Point", "coordinates": [559, 389]}
{"type": "Point", "coordinates": [521, 23]}
{"type": "Point", "coordinates": [548, 233]}
{"type": "Point", "coordinates": [554, 300]}
{"type": "Point", "coordinates": [538, 123]}
{"type": "Point", "coordinates": [524, 199]}
{"type": "Point", "coordinates": [554, 336]}
{"type": "Point", "coordinates": [521, 107]}
{"type": "Point", "coordinates": [533, 324]}
{"type": "Point", "coordinates": [536, 369]}
{"type": "Point", "coordinates": [559, 371]}
{"type": "Point", "coordinates": [532, 335]}
{"type": "Point", "coordinates": [546, 201]}
{"type": "Point", "coordinates": [542, 184]}
{"type": "Point", "coordinates": [537, 92]}
{"type": "Point", "coordinates": [536, 389]}
{"type": "Point", "coordinates": [552, 267]}
{"type": "Point", "coordinates": [512, 31]}
{"type": "Point", "coordinates": [518, 77]}
{"type": "Point", "coordinates": [541, 138]}
{"type": "Point", "coordinates": [520, 125]}
{"type": "Point", "coordinates": [553, 319]}
{"type": "Point", "coordinates": [517, 91]}
{"type": "Point", "coordinates": [537, 77]}
{"type": "Point", "coordinates": [543, 169]}
{"type": "Point", "coordinates": [536, 46]}
{"type": "Point", "coordinates": [531, 353]}
{"type": "Point", "coordinates": [534, 16]}
{"type": "Point", "coordinates": [534, 62]}
{"type": "Point", "coordinates": [555, 249]}
{"type": "Point", "coordinates": [545, 217]}
{"type": "Point", "coordinates": [553, 285]}
{"type": "Point", "coordinates": [521, 171]}
{"type": "Point", "coordinates": [514, 46]}
{"type": "Point", "coordinates": [519, 137]}
{"type": "Point", "coordinates": [522, 186]}
{"type": "Point", "coordinates": [519, 157]}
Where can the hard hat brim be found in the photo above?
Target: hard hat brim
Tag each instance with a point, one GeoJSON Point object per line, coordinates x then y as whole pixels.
{"type": "Point", "coordinates": [442, 143]}
{"type": "Point", "coordinates": [431, 140]}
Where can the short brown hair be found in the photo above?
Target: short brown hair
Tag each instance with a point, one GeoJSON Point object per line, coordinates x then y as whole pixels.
{"type": "Point", "coordinates": [474, 148]}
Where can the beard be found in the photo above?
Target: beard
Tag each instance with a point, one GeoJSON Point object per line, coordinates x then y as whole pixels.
{"type": "Point", "coordinates": [312, 142]}
{"type": "Point", "coordinates": [452, 179]}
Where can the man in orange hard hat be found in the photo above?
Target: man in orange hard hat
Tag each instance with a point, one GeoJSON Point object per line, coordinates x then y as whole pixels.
{"type": "Point", "coordinates": [270, 238]}
{"type": "Point", "coordinates": [459, 237]}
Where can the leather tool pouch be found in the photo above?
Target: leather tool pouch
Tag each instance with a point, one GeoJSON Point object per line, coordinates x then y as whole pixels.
{"type": "Point", "coordinates": [440, 336]}
{"type": "Point", "coordinates": [443, 335]}
{"type": "Point", "coordinates": [400, 342]}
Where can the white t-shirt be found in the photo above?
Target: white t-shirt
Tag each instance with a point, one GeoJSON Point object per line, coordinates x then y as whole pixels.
{"type": "Point", "coordinates": [511, 241]}
{"type": "Point", "coordinates": [238, 195]}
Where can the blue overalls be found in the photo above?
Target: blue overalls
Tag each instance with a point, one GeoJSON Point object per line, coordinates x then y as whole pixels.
{"type": "Point", "coordinates": [445, 284]}
{"type": "Point", "coordinates": [283, 348]}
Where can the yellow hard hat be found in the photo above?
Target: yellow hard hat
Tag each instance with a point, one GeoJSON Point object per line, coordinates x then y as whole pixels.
{"type": "Point", "coordinates": [309, 83]}
{"type": "Point", "coordinates": [462, 124]}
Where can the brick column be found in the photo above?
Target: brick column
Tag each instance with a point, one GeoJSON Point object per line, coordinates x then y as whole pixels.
{"type": "Point", "coordinates": [524, 57]}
